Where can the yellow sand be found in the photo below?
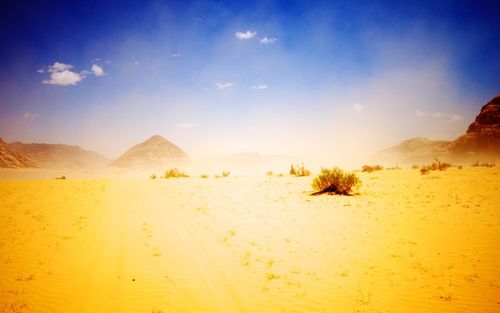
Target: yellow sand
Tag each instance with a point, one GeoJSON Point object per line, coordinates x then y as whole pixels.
{"type": "Point", "coordinates": [407, 243]}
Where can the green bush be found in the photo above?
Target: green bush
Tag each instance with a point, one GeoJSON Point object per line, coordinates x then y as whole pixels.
{"type": "Point", "coordinates": [335, 181]}
{"type": "Point", "coordinates": [174, 173]}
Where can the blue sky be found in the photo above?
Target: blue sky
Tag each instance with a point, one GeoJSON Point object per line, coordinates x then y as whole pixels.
{"type": "Point", "coordinates": [306, 78]}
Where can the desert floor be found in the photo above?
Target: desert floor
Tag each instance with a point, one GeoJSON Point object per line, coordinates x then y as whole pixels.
{"type": "Point", "coordinates": [405, 243]}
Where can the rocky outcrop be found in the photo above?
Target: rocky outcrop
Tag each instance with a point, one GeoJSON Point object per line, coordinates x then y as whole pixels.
{"type": "Point", "coordinates": [11, 159]}
{"type": "Point", "coordinates": [482, 138]}
{"type": "Point", "coordinates": [59, 155]}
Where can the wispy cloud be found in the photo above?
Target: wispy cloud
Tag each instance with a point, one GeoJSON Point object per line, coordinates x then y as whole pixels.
{"type": "Point", "coordinates": [420, 113]}
{"type": "Point", "coordinates": [356, 107]}
{"type": "Point", "coordinates": [176, 55]}
{"type": "Point", "coordinates": [267, 40]}
{"type": "Point", "coordinates": [185, 125]}
{"type": "Point", "coordinates": [97, 70]}
{"type": "Point", "coordinates": [224, 85]}
{"type": "Point", "coordinates": [437, 114]}
{"type": "Point", "coordinates": [259, 87]}
{"type": "Point", "coordinates": [245, 35]}
{"type": "Point", "coordinates": [30, 116]}
{"type": "Point", "coordinates": [453, 118]}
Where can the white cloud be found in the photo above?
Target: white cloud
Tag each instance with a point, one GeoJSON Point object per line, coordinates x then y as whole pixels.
{"type": "Point", "coordinates": [176, 55]}
{"type": "Point", "coordinates": [97, 70]}
{"type": "Point", "coordinates": [59, 67]}
{"type": "Point", "coordinates": [30, 116]}
{"type": "Point", "coordinates": [259, 87]}
{"type": "Point", "coordinates": [453, 118]}
{"type": "Point", "coordinates": [224, 85]}
{"type": "Point", "coordinates": [185, 125]}
{"type": "Point", "coordinates": [357, 107]}
{"type": "Point", "coordinates": [420, 113]}
{"type": "Point", "coordinates": [61, 74]}
{"type": "Point", "coordinates": [267, 40]}
{"type": "Point", "coordinates": [246, 35]}
{"type": "Point", "coordinates": [437, 114]}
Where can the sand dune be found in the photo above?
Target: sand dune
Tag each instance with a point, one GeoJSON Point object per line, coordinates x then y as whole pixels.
{"type": "Point", "coordinates": [406, 243]}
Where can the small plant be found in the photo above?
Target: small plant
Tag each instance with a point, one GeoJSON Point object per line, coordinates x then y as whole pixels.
{"type": "Point", "coordinates": [153, 176]}
{"type": "Point", "coordinates": [299, 170]}
{"type": "Point", "coordinates": [425, 170]}
{"type": "Point", "coordinates": [204, 176]}
{"type": "Point", "coordinates": [270, 173]}
{"type": "Point", "coordinates": [61, 177]}
{"type": "Point", "coordinates": [174, 173]}
{"type": "Point", "coordinates": [394, 167]}
{"type": "Point", "coordinates": [372, 168]}
{"type": "Point", "coordinates": [335, 181]}
{"type": "Point", "coordinates": [415, 167]}
{"type": "Point", "coordinates": [226, 174]}
{"type": "Point", "coordinates": [436, 166]}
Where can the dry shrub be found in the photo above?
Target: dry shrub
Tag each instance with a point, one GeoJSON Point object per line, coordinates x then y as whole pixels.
{"type": "Point", "coordinates": [371, 168]}
{"type": "Point", "coordinates": [174, 173]}
{"type": "Point", "coordinates": [436, 166]}
{"type": "Point", "coordinates": [270, 173]}
{"type": "Point", "coordinates": [335, 181]}
{"type": "Point", "coordinates": [299, 170]}
{"type": "Point", "coordinates": [204, 176]}
{"type": "Point", "coordinates": [153, 176]}
{"type": "Point", "coordinates": [477, 164]}
{"type": "Point", "coordinates": [61, 177]}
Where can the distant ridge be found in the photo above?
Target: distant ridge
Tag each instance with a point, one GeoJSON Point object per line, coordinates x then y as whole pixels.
{"type": "Point", "coordinates": [59, 155]}
{"type": "Point", "coordinates": [11, 159]}
{"type": "Point", "coordinates": [154, 152]}
{"type": "Point", "coordinates": [481, 142]}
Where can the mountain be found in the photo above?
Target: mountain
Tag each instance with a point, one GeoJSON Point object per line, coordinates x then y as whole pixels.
{"type": "Point", "coordinates": [154, 152]}
{"type": "Point", "coordinates": [481, 142]}
{"type": "Point", "coordinates": [482, 138]}
{"type": "Point", "coordinates": [11, 159]}
{"type": "Point", "coordinates": [413, 151]}
{"type": "Point", "coordinates": [59, 155]}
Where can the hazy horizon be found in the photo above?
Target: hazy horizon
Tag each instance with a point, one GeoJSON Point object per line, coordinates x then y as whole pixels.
{"type": "Point", "coordinates": [324, 81]}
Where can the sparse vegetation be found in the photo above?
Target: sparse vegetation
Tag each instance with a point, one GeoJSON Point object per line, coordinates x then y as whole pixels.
{"type": "Point", "coordinates": [335, 181]}
{"type": "Point", "coordinates": [61, 177]}
{"type": "Point", "coordinates": [153, 176]}
{"type": "Point", "coordinates": [204, 176]}
{"type": "Point", "coordinates": [394, 167]}
{"type": "Point", "coordinates": [415, 167]}
{"type": "Point", "coordinates": [371, 168]}
{"type": "Point", "coordinates": [477, 164]}
{"type": "Point", "coordinates": [270, 173]}
{"type": "Point", "coordinates": [435, 166]}
{"type": "Point", "coordinates": [223, 174]}
{"type": "Point", "coordinates": [174, 173]}
{"type": "Point", "coordinates": [299, 170]}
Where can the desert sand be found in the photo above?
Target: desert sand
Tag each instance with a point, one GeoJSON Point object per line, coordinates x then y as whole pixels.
{"type": "Point", "coordinates": [404, 243]}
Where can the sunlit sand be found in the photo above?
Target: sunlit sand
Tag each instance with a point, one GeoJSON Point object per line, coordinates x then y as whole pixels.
{"type": "Point", "coordinates": [405, 243]}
